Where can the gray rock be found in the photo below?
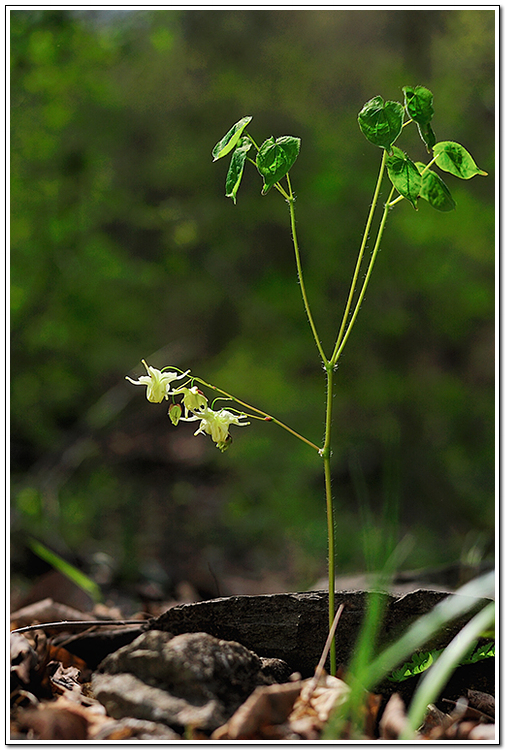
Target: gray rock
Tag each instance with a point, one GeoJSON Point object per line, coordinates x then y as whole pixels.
{"type": "Point", "coordinates": [125, 695]}
{"type": "Point", "coordinates": [294, 627]}
{"type": "Point", "coordinates": [191, 679]}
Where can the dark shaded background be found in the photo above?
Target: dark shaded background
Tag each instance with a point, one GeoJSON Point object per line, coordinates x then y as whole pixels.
{"type": "Point", "coordinates": [124, 247]}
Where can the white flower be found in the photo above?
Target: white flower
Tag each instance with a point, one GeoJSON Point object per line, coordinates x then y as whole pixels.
{"type": "Point", "coordinates": [217, 424]}
{"type": "Point", "coordinates": [194, 399]}
{"type": "Point", "coordinates": [157, 382]}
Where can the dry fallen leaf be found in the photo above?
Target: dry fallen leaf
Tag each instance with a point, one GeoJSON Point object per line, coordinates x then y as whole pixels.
{"type": "Point", "coordinates": [23, 658]}
{"type": "Point", "coordinates": [394, 719]}
{"type": "Point", "coordinates": [49, 722]}
{"type": "Point", "coordinates": [483, 702]}
{"type": "Point", "coordinates": [266, 706]}
{"type": "Point", "coordinates": [65, 681]}
{"type": "Point", "coordinates": [319, 699]}
{"type": "Point", "coordinates": [45, 610]}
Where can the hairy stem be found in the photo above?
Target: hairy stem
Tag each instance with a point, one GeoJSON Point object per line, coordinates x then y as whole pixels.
{"type": "Point", "coordinates": [291, 203]}
{"type": "Point", "coordinates": [338, 351]}
{"type": "Point", "coordinates": [360, 254]}
{"type": "Point", "coordinates": [330, 512]}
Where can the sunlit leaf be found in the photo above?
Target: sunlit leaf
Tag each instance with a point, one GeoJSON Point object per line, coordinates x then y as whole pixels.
{"type": "Point", "coordinates": [404, 175]}
{"type": "Point", "coordinates": [434, 190]}
{"type": "Point", "coordinates": [453, 158]}
{"type": "Point", "coordinates": [381, 122]}
{"type": "Point", "coordinates": [236, 168]}
{"type": "Point", "coordinates": [230, 140]}
{"type": "Point", "coordinates": [275, 159]}
{"type": "Point", "coordinates": [419, 105]}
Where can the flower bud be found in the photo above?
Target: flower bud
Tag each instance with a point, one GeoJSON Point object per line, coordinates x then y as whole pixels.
{"type": "Point", "coordinates": [175, 413]}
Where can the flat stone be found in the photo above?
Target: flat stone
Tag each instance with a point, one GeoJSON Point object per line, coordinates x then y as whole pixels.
{"type": "Point", "coordinates": [294, 627]}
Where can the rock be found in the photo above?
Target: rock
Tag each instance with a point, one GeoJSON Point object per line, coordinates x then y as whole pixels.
{"type": "Point", "coordinates": [191, 679]}
{"type": "Point", "coordinates": [134, 729]}
{"type": "Point", "coordinates": [124, 695]}
{"type": "Point", "coordinates": [290, 627]}
{"type": "Point", "coordinates": [294, 627]}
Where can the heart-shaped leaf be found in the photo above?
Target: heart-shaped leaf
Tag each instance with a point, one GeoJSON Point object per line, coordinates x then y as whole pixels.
{"type": "Point", "coordinates": [434, 190]}
{"type": "Point", "coordinates": [453, 158]}
{"type": "Point", "coordinates": [236, 168]}
{"type": "Point", "coordinates": [275, 159]}
{"type": "Point", "coordinates": [419, 106]}
{"type": "Point", "coordinates": [381, 122]}
{"type": "Point", "coordinates": [230, 140]}
{"type": "Point", "coordinates": [404, 175]}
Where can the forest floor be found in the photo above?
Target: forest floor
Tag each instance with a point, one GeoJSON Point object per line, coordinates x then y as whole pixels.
{"type": "Point", "coordinates": [156, 685]}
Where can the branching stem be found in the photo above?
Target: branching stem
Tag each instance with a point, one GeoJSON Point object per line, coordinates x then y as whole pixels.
{"type": "Point", "coordinates": [263, 414]}
{"type": "Point", "coordinates": [378, 240]}
{"type": "Point", "coordinates": [360, 257]}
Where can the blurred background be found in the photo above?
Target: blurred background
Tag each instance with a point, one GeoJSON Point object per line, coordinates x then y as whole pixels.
{"type": "Point", "coordinates": [124, 247]}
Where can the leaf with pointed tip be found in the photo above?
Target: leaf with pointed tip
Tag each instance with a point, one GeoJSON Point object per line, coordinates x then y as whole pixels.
{"type": "Point", "coordinates": [434, 190]}
{"type": "Point", "coordinates": [230, 140]}
{"type": "Point", "coordinates": [381, 122]}
{"type": "Point", "coordinates": [453, 158]}
{"type": "Point", "coordinates": [236, 168]}
{"type": "Point", "coordinates": [404, 175]}
{"type": "Point", "coordinates": [275, 159]}
{"type": "Point", "coordinates": [419, 106]}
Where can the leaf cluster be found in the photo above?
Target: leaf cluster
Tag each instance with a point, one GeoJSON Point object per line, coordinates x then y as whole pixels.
{"type": "Point", "coordinates": [381, 122]}
{"type": "Point", "coordinates": [274, 157]}
{"type": "Point", "coordinates": [422, 660]}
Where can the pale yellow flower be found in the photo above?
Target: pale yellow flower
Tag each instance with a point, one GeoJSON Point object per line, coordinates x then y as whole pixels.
{"type": "Point", "coordinates": [194, 399]}
{"type": "Point", "coordinates": [217, 424]}
{"type": "Point", "coordinates": [157, 382]}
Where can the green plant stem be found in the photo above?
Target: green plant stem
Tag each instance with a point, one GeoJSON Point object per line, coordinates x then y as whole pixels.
{"type": "Point", "coordinates": [291, 203]}
{"type": "Point", "coordinates": [360, 254]}
{"type": "Point", "coordinates": [396, 200]}
{"type": "Point", "coordinates": [336, 354]}
{"type": "Point", "coordinates": [330, 515]}
{"type": "Point", "coordinates": [263, 414]}
{"type": "Point", "coordinates": [245, 133]}
{"type": "Point", "coordinates": [325, 452]}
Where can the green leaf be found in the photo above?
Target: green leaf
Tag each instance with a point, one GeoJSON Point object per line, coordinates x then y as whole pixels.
{"type": "Point", "coordinates": [419, 106]}
{"type": "Point", "coordinates": [404, 175]}
{"type": "Point", "coordinates": [453, 158]}
{"type": "Point", "coordinates": [66, 569]}
{"type": "Point", "coordinates": [236, 168]}
{"type": "Point", "coordinates": [419, 663]}
{"type": "Point", "coordinates": [434, 190]}
{"type": "Point", "coordinates": [381, 122]}
{"type": "Point", "coordinates": [485, 651]}
{"type": "Point", "coordinates": [230, 140]}
{"type": "Point", "coordinates": [275, 159]}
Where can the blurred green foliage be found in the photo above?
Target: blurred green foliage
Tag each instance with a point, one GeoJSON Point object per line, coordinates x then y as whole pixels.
{"type": "Point", "coordinates": [124, 247]}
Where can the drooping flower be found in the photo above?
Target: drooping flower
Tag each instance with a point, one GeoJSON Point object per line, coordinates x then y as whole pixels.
{"type": "Point", "coordinates": [217, 424]}
{"type": "Point", "coordinates": [157, 382]}
{"type": "Point", "coordinates": [194, 399]}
